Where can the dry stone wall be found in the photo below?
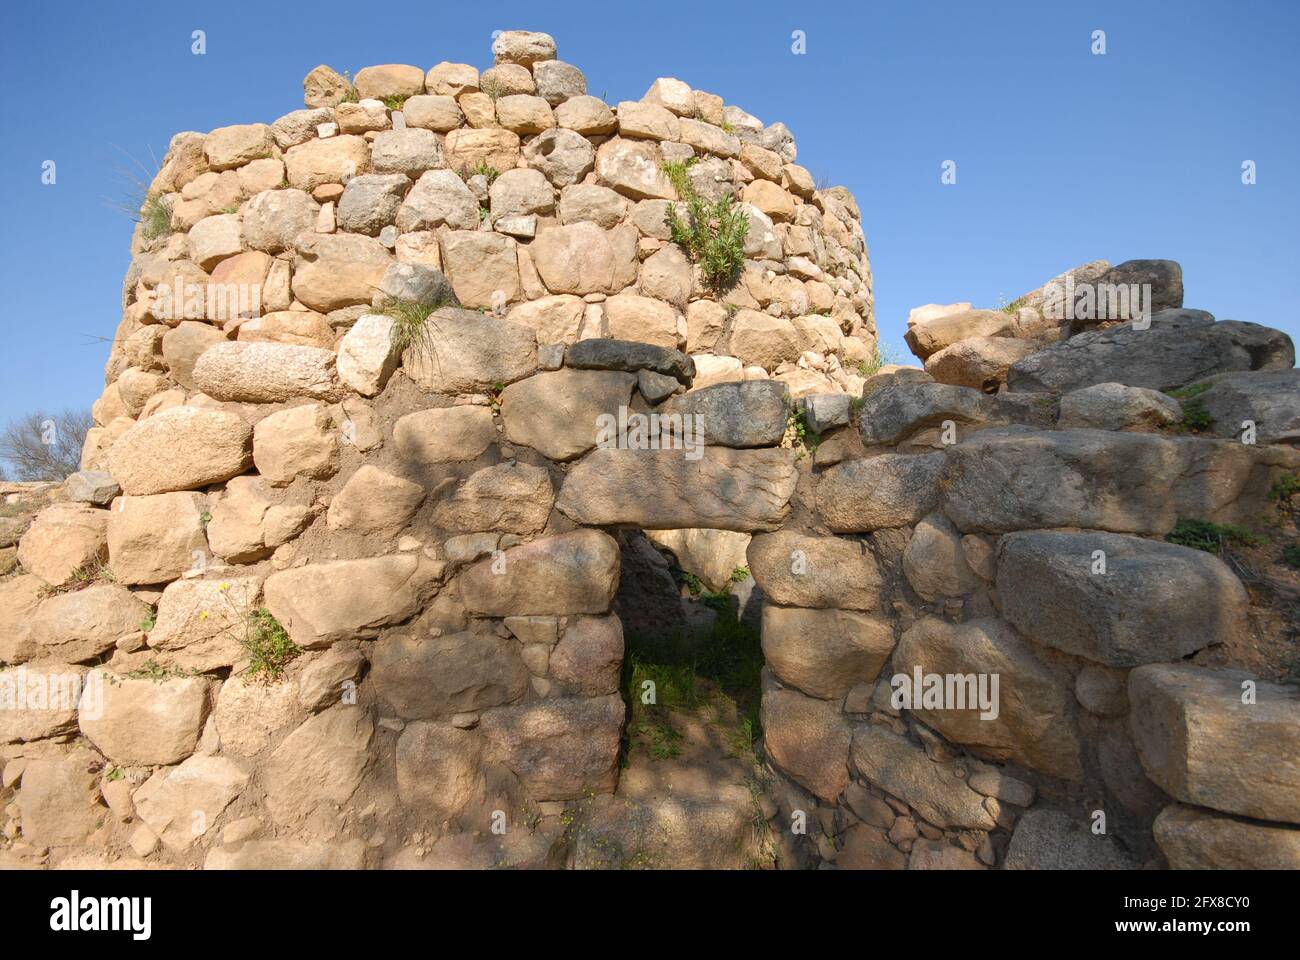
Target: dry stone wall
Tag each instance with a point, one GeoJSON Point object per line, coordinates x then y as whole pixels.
{"type": "Point", "coordinates": [400, 381]}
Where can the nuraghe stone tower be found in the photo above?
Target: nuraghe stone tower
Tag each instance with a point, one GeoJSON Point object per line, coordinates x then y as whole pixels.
{"type": "Point", "coordinates": [417, 387]}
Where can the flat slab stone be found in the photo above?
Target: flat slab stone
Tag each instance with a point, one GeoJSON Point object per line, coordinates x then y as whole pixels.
{"type": "Point", "coordinates": [631, 356]}
{"type": "Point", "coordinates": [752, 413]}
{"type": "Point", "coordinates": [556, 576]}
{"type": "Point", "coordinates": [724, 489]}
{"type": "Point", "coordinates": [1014, 478]}
{"type": "Point", "coordinates": [1155, 601]}
{"type": "Point", "coordinates": [1179, 347]}
{"type": "Point", "coordinates": [903, 769]}
{"type": "Point", "coordinates": [1201, 744]}
{"type": "Point", "coordinates": [1193, 838]}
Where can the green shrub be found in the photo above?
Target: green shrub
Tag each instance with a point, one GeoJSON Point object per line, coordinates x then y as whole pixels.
{"type": "Point", "coordinates": [712, 233]}
{"type": "Point", "coordinates": [1291, 555]}
{"type": "Point", "coordinates": [1211, 537]}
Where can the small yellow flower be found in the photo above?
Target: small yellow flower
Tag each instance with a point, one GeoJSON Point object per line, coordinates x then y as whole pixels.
{"type": "Point", "coordinates": [203, 615]}
{"type": "Point", "coordinates": [223, 587]}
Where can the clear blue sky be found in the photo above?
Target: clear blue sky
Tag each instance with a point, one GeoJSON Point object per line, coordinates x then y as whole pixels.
{"type": "Point", "coordinates": [1062, 156]}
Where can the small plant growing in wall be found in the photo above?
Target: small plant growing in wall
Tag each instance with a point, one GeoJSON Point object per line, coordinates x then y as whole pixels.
{"type": "Point", "coordinates": [1196, 419]}
{"type": "Point", "coordinates": [712, 233]}
{"type": "Point", "coordinates": [412, 329]}
{"type": "Point", "coordinates": [269, 647]}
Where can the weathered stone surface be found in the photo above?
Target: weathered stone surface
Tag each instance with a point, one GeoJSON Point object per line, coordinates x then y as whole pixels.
{"type": "Point", "coordinates": [39, 700]}
{"type": "Point", "coordinates": [632, 167]}
{"type": "Point", "coordinates": [465, 148]}
{"type": "Point", "coordinates": [898, 410]}
{"type": "Point", "coordinates": [744, 490]}
{"type": "Point", "coordinates": [1270, 399]}
{"type": "Point", "coordinates": [560, 749]}
{"type": "Point", "coordinates": [215, 238]}
{"type": "Point", "coordinates": [250, 712]}
{"type": "Point", "coordinates": [800, 571]}
{"type": "Point", "coordinates": [427, 678]}
{"type": "Point", "coordinates": [324, 87]}
{"type": "Point", "coordinates": [891, 490]}
{"type": "Point", "coordinates": [749, 414]}
{"type": "Point", "coordinates": [505, 498]}
{"type": "Point", "coordinates": [367, 355]}
{"type": "Point", "coordinates": [144, 722]}
{"type": "Point", "coordinates": [588, 658]}
{"type": "Point", "coordinates": [1179, 347]}
{"type": "Point", "coordinates": [328, 678]}
{"type": "Point", "coordinates": [1193, 838]}
{"type": "Point", "coordinates": [824, 653]}
{"type": "Point", "coordinates": [1155, 601]}
{"type": "Point", "coordinates": [299, 441]}
{"type": "Point", "coordinates": [183, 448]}
{"type": "Point", "coordinates": [981, 363]}
{"type": "Point", "coordinates": [389, 80]}
{"type": "Point", "coordinates": [929, 336]}
{"type": "Point", "coordinates": [863, 847]}
{"type": "Point", "coordinates": [904, 770]}
{"type": "Point", "coordinates": [438, 768]}
{"type": "Point", "coordinates": [760, 339]}
{"type": "Point", "coordinates": [1046, 839]}
{"type": "Point", "coordinates": [471, 353]}
{"type": "Point", "coordinates": [183, 346]}
{"type": "Point", "coordinates": [632, 317]}
{"type": "Point", "coordinates": [1190, 727]}
{"type": "Point", "coordinates": [581, 258]}
{"type": "Point", "coordinates": [411, 151]}
{"type": "Point", "coordinates": [201, 624]}
{"type": "Point", "coordinates": [934, 561]}
{"type": "Point", "coordinates": [78, 626]}
{"type": "Point", "coordinates": [565, 157]}
{"type": "Point", "coordinates": [288, 854]}
{"type": "Point", "coordinates": [157, 538]}
{"type": "Point", "coordinates": [1113, 406]}
{"type": "Point", "coordinates": [370, 202]}
{"type": "Point", "coordinates": [63, 540]}
{"type": "Point", "coordinates": [374, 503]}
{"type": "Point", "coordinates": [56, 803]}
{"type": "Point", "coordinates": [1005, 479]}
{"type": "Point", "coordinates": [561, 575]}
{"type": "Point", "coordinates": [96, 487]}
{"type": "Point", "coordinates": [19, 598]}
{"type": "Point", "coordinates": [255, 372]}
{"type": "Point", "coordinates": [318, 765]}
{"type": "Point", "coordinates": [809, 739]}
{"type": "Point", "coordinates": [939, 855]}
{"type": "Point", "coordinates": [438, 198]}
{"type": "Point", "coordinates": [556, 319]}
{"type": "Point", "coordinates": [629, 356]}
{"type": "Point", "coordinates": [557, 413]}
{"type": "Point", "coordinates": [589, 116]}
{"type": "Point", "coordinates": [322, 603]}
{"type": "Point", "coordinates": [444, 434]}
{"type": "Point", "coordinates": [338, 270]}
{"type": "Point", "coordinates": [1033, 725]}
{"type": "Point", "coordinates": [273, 219]}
